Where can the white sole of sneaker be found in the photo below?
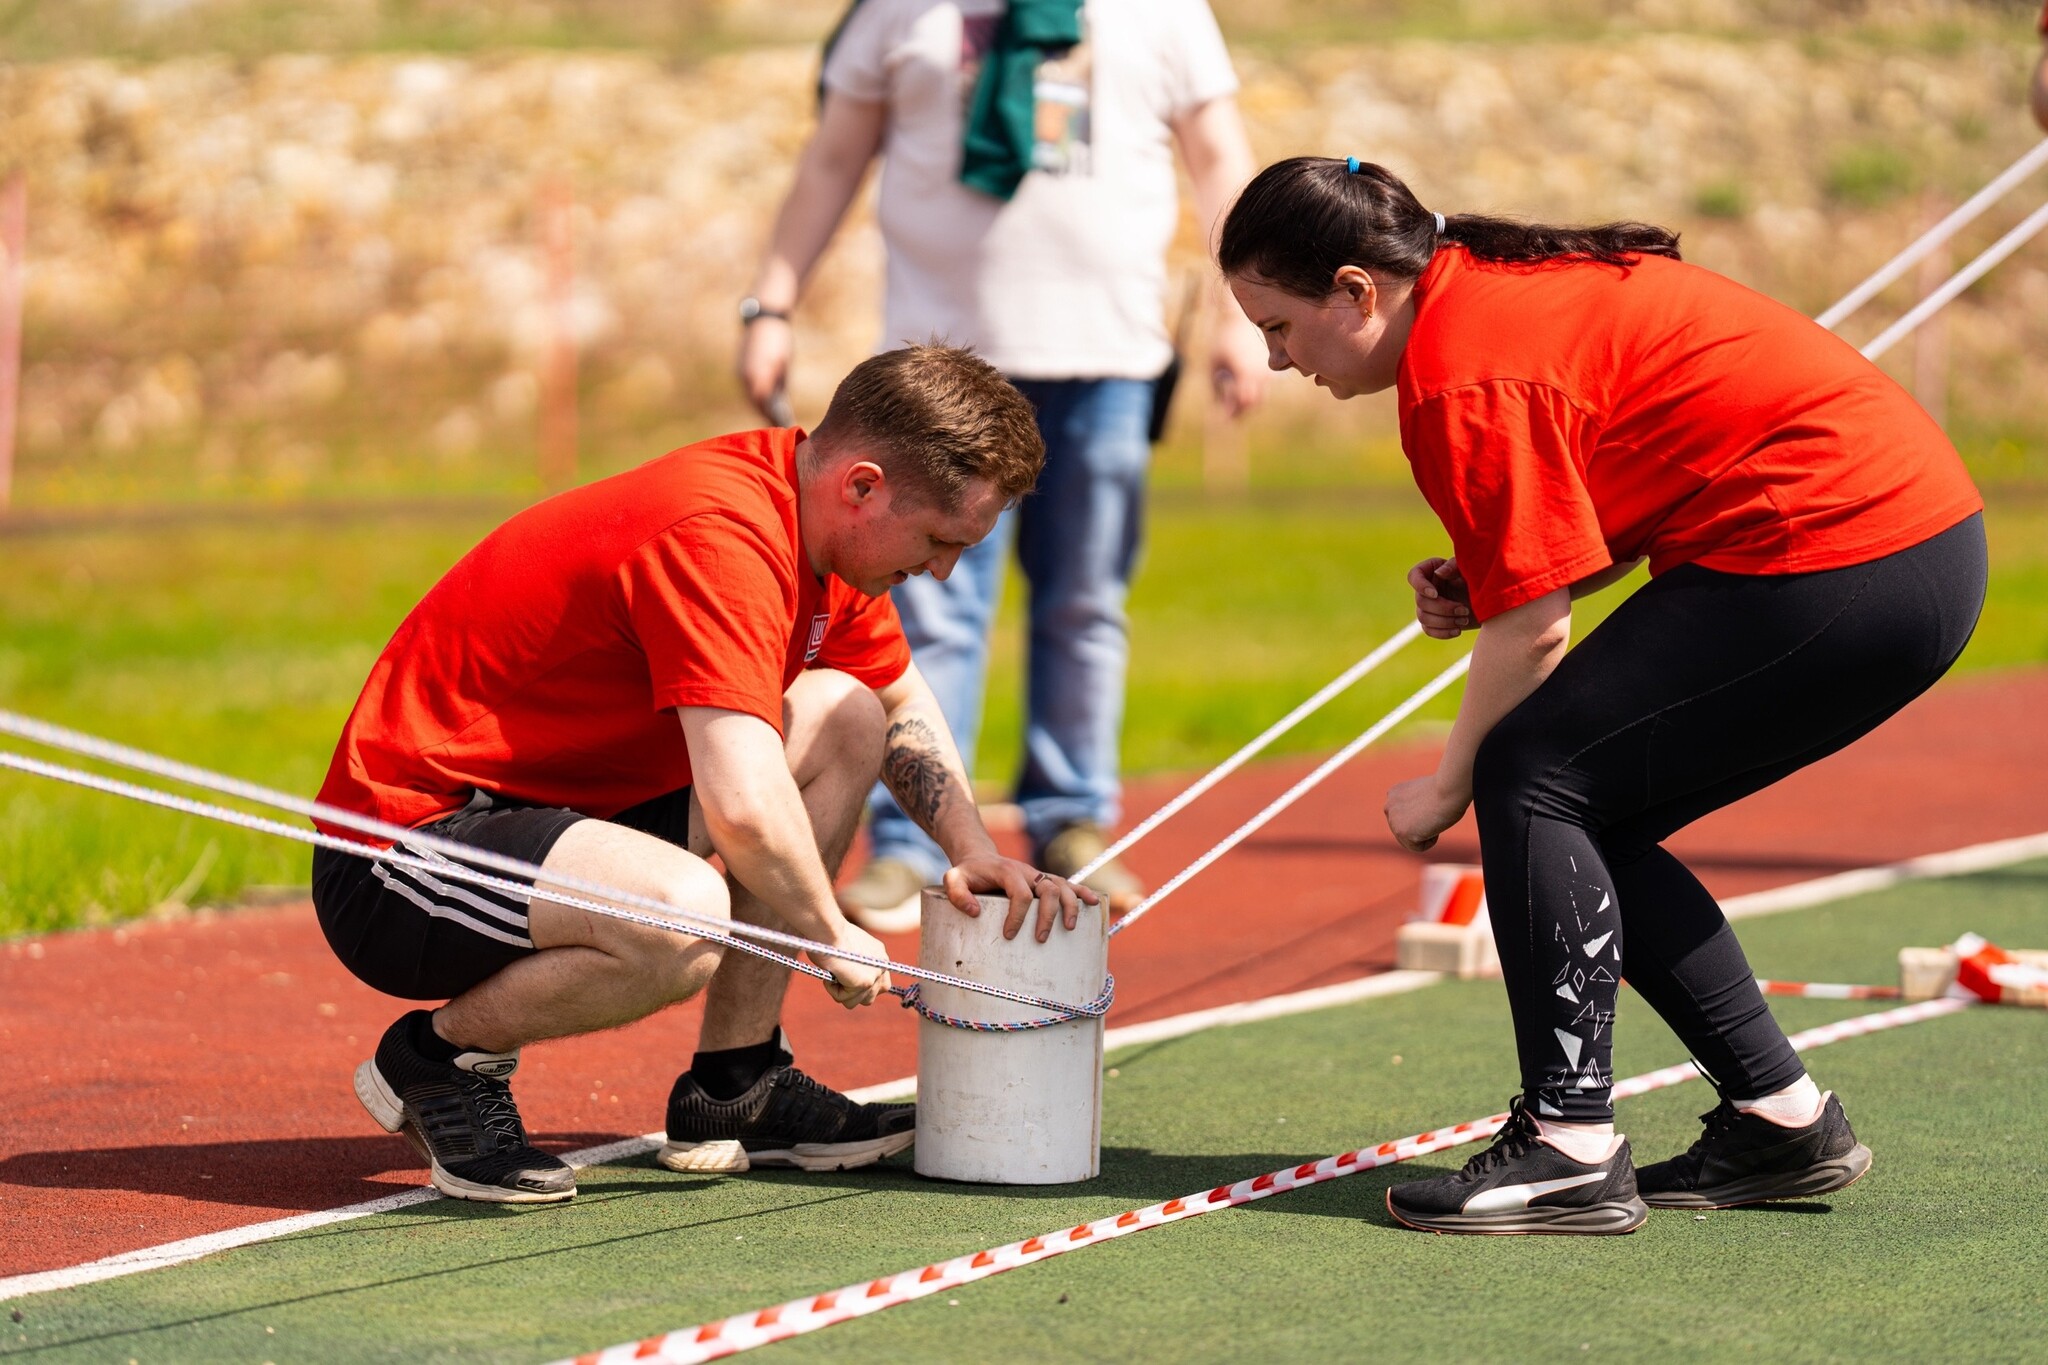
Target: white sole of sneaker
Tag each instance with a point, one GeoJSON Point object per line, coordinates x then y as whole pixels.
{"type": "Point", "coordinates": [1824, 1177]}
{"type": "Point", "coordinates": [455, 1187]}
{"type": "Point", "coordinates": [888, 919]}
{"type": "Point", "coordinates": [1594, 1220]}
{"type": "Point", "coordinates": [704, 1158]}
{"type": "Point", "coordinates": [834, 1156]}
{"type": "Point", "coordinates": [376, 1097]}
{"type": "Point", "coordinates": [384, 1106]}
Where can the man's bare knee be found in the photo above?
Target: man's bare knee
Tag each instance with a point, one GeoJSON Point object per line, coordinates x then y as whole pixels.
{"type": "Point", "coordinates": [673, 961]}
{"type": "Point", "coordinates": [676, 962]}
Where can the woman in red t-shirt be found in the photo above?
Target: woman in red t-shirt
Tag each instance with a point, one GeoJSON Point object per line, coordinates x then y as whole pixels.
{"type": "Point", "coordinates": [1574, 401]}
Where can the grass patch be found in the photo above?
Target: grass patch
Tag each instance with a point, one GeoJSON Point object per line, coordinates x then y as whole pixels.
{"type": "Point", "coordinates": [1867, 176]}
{"type": "Point", "coordinates": [1723, 199]}
{"type": "Point", "coordinates": [1923, 1259]}
{"type": "Point", "coordinates": [241, 647]}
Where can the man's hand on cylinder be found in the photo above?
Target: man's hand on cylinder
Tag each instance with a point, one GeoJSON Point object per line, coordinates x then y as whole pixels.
{"type": "Point", "coordinates": [1056, 897]}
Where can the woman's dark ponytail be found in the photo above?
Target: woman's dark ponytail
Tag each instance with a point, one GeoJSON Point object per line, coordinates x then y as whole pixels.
{"type": "Point", "coordinates": [1301, 220]}
{"type": "Point", "coordinates": [1504, 239]}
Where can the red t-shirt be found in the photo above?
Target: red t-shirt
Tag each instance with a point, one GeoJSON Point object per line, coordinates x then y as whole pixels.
{"type": "Point", "coordinates": [546, 665]}
{"type": "Point", "coordinates": [1566, 417]}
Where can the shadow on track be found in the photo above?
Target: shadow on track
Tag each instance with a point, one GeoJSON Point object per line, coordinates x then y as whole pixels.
{"type": "Point", "coordinates": [288, 1175]}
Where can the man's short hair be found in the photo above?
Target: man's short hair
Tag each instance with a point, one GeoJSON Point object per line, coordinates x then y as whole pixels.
{"type": "Point", "coordinates": [936, 418]}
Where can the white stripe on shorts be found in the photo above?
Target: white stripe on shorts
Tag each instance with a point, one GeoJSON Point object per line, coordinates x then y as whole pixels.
{"type": "Point", "coordinates": [446, 902]}
{"type": "Point", "coordinates": [504, 905]}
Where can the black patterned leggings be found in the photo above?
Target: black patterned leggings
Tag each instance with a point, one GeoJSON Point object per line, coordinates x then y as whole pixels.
{"type": "Point", "coordinates": [1701, 688]}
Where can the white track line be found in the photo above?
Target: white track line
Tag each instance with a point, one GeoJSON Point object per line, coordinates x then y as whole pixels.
{"type": "Point", "coordinates": [1800, 895]}
{"type": "Point", "coordinates": [1840, 886]}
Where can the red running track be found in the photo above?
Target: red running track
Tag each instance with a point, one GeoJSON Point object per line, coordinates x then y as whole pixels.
{"type": "Point", "coordinates": [172, 1079]}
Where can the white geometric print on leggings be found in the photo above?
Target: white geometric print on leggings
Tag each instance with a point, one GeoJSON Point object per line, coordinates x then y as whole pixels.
{"type": "Point", "coordinates": [1587, 954]}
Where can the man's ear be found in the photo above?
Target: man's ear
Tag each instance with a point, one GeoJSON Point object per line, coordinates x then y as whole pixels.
{"type": "Point", "coordinates": [860, 481]}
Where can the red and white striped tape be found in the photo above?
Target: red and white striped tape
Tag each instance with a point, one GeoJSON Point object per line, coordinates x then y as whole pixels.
{"type": "Point", "coordinates": [1829, 990]}
{"type": "Point", "coordinates": [713, 1340]}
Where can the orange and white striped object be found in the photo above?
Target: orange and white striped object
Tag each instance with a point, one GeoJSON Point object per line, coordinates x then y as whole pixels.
{"type": "Point", "coordinates": [1987, 972]}
{"type": "Point", "coordinates": [1453, 893]}
{"type": "Point", "coordinates": [1828, 990]}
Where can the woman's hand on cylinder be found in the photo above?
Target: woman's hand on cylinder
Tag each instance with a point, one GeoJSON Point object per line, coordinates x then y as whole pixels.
{"type": "Point", "coordinates": [1442, 605]}
{"type": "Point", "coordinates": [1419, 810]}
{"type": "Point", "coordinates": [1056, 897]}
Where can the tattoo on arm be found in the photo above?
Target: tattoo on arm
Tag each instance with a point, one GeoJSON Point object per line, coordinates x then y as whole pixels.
{"type": "Point", "coordinates": [913, 771]}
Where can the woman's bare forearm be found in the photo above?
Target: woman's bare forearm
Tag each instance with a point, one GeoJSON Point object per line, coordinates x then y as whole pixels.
{"type": "Point", "coordinates": [1515, 652]}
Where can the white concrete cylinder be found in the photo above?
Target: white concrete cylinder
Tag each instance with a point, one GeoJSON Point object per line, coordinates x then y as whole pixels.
{"type": "Point", "coordinates": [1010, 1108]}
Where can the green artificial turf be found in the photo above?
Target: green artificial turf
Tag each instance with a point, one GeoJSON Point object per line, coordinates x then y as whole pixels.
{"type": "Point", "coordinates": [1935, 1255]}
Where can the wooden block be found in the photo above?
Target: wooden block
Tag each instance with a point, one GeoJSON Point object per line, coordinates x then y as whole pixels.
{"type": "Point", "coordinates": [1926, 973]}
{"type": "Point", "coordinates": [1461, 950]}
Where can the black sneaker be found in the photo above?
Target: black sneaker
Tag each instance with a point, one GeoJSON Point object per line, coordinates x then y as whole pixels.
{"type": "Point", "coordinates": [460, 1117]}
{"type": "Point", "coordinates": [1524, 1184]}
{"type": "Point", "coordinates": [1744, 1158]}
{"type": "Point", "coordinates": [783, 1119]}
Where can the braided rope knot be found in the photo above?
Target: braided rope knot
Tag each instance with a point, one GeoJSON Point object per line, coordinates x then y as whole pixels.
{"type": "Point", "coordinates": [913, 1000]}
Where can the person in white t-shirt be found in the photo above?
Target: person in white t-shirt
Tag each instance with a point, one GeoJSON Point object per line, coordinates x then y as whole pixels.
{"type": "Point", "coordinates": [1062, 287]}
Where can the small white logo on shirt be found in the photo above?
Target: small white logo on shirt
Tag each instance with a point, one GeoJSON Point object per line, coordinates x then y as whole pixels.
{"type": "Point", "coordinates": [1508, 1197]}
{"type": "Point", "coordinates": [817, 641]}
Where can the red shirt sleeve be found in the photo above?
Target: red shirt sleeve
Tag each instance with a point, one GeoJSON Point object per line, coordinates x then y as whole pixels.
{"type": "Point", "coordinates": [712, 616]}
{"type": "Point", "coordinates": [1502, 465]}
{"type": "Point", "coordinates": [865, 638]}
{"type": "Point", "coordinates": [2044, 21]}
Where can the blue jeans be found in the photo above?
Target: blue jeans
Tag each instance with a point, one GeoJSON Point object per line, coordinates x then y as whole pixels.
{"type": "Point", "coordinates": [1076, 537]}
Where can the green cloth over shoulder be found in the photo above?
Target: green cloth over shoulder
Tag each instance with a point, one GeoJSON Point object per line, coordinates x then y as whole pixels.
{"type": "Point", "coordinates": [1003, 115]}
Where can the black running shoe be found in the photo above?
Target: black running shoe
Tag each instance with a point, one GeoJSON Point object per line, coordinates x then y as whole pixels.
{"type": "Point", "coordinates": [461, 1118]}
{"type": "Point", "coordinates": [1743, 1158]}
{"type": "Point", "coordinates": [783, 1119]}
{"type": "Point", "coordinates": [1524, 1184]}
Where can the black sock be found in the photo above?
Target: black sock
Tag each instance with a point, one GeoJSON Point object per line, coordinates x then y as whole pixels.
{"type": "Point", "coordinates": [428, 1043]}
{"type": "Point", "coordinates": [731, 1072]}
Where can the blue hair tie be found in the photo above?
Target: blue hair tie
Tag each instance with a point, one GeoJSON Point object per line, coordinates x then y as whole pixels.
{"type": "Point", "coordinates": [1351, 164]}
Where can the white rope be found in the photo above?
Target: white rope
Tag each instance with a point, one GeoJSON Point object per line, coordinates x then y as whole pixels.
{"type": "Point", "coordinates": [1298, 790]}
{"type": "Point", "coordinates": [652, 913]}
{"type": "Point", "coordinates": [655, 913]}
{"type": "Point", "coordinates": [703, 926]}
{"type": "Point", "coordinates": [1401, 639]}
{"type": "Point", "coordinates": [1928, 241]}
{"type": "Point", "coordinates": [1958, 282]}
{"type": "Point", "coordinates": [138, 760]}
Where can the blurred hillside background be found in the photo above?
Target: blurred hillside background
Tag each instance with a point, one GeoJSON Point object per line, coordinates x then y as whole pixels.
{"type": "Point", "coordinates": [286, 249]}
{"type": "Point", "coordinates": [291, 254]}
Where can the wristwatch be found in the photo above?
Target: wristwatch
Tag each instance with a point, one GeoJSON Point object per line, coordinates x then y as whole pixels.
{"type": "Point", "coordinates": [751, 312]}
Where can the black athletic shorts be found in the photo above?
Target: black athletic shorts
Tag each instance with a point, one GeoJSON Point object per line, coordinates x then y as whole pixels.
{"type": "Point", "coordinates": [412, 934]}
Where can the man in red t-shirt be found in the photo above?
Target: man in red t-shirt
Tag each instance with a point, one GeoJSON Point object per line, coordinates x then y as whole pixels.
{"type": "Point", "coordinates": [695, 656]}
